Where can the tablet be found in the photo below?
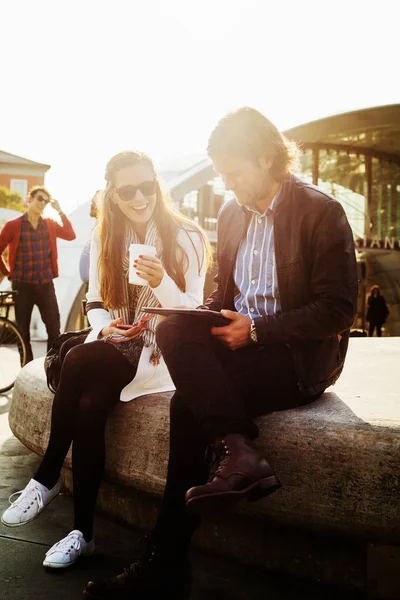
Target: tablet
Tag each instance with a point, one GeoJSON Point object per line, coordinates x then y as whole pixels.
{"type": "Point", "coordinates": [209, 316]}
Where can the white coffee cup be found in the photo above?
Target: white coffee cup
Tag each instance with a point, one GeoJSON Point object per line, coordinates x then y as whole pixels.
{"type": "Point", "coordinates": [135, 250]}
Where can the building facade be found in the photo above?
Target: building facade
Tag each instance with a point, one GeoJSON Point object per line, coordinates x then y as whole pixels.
{"type": "Point", "coordinates": [20, 174]}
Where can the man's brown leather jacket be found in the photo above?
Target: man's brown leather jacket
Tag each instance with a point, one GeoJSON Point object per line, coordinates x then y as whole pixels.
{"type": "Point", "coordinates": [317, 278]}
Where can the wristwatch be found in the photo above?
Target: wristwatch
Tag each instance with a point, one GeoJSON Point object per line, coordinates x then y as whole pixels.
{"type": "Point", "coordinates": [253, 332]}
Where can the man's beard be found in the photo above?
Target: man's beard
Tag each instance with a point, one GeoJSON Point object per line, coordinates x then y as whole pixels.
{"type": "Point", "coordinates": [264, 191]}
{"type": "Point", "coordinates": [265, 188]}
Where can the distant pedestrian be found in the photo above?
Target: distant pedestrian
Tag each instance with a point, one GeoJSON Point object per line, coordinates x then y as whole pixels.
{"type": "Point", "coordinates": [84, 261]}
{"type": "Point", "coordinates": [32, 263]}
{"type": "Point", "coordinates": [377, 312]}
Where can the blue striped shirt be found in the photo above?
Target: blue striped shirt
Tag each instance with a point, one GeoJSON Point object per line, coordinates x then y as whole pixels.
{"type": "Point", "coordinates": [255, 269]}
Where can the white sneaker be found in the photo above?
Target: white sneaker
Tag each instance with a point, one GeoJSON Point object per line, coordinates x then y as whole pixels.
{"type": "Point", "coordinates": [33, 499]}
{"type": "Point", "coordinates": [67, 551]}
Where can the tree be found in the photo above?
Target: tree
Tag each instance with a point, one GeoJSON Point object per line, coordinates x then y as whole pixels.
{"type": "Point", "coordinates": [12, 200]}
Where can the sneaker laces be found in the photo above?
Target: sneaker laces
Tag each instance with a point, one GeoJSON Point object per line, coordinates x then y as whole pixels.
{"type": "Point", "coordinates": [71, 542]}
{"type": "Point", "coordinates": [27, 498]}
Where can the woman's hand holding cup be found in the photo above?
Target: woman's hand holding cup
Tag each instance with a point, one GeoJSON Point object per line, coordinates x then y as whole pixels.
{"type": "Point", "coordinates": [150, 269]}
{"type": "Point", "coordinates": [144, 266]}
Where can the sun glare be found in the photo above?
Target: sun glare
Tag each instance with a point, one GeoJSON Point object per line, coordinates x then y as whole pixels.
{"type": "Point", "coordinates": [103, 77]}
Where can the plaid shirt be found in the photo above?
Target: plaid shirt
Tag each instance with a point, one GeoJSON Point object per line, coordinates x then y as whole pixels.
{"type": "Point", "coordinates": [33, 261]}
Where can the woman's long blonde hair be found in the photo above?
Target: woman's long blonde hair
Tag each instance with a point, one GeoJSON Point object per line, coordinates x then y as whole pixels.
{"type": "Point", "coordinates": [113, 224]}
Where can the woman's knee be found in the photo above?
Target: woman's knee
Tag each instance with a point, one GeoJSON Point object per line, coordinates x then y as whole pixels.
{"type": "Point", "coordinates": [79, 360]}
{"type": "Point", "coordinates": [72, 357]}
{"type": "Point", "coordinates": [68, 345]}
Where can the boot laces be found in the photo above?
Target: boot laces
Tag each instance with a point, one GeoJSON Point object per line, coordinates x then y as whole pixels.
{"type": "Point", "coordinates": [144, 560]}
{"type": "Point", "coordinates": [217, 456]}
{"type": "Point", "coordinates": [211, 459]}
{"type": "Point", "coordinates": [224, 458]}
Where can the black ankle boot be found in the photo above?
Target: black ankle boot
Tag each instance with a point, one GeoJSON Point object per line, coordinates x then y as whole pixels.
{"type": "Point", "coordinates": [155, 573]}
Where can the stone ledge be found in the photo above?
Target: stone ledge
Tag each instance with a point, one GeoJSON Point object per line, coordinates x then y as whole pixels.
{"type": "Point", "coordinates": [338, 460]}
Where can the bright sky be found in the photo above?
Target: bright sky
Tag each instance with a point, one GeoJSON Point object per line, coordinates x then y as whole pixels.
{"type": "Point", "coordinates": [84, 79]}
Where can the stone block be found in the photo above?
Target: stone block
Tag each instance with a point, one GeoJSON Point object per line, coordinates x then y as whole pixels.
{"type": "Point", "coordinates": [338, 460]}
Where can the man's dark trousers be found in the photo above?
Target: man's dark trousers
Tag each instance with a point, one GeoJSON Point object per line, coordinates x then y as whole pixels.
{"type": "Point", "coordinates": [219, 391]}
{"type": "Point", "coordinates": [44, 296]}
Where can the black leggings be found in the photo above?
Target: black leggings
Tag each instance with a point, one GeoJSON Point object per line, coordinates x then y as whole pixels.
{"type": "Point", "coordinates": [91, 380]}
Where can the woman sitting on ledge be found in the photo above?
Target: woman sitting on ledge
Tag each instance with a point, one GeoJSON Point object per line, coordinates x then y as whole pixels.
{"type": "Point", "coordinates": [114, 363]}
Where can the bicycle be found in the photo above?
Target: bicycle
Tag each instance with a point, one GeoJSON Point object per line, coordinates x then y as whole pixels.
{"type": "Point", "coordinates": [12, 345]}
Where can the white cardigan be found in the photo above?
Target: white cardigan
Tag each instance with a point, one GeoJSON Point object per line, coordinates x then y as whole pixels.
{"type": "Point", "coordinates": [151, 378]}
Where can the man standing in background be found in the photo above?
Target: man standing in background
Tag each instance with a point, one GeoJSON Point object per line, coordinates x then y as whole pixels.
{"type": "Point", "coordinates": [32, 263]}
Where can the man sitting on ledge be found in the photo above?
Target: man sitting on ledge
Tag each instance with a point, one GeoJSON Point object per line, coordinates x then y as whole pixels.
{"type": "Point", "coordinates": [287, 290]}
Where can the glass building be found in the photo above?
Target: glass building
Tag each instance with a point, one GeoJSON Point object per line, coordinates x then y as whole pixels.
{"type": "Point", "coordinates": [355, 157]}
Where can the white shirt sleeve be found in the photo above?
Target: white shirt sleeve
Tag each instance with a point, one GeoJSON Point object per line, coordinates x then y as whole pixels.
{"type": "Point", "coordinates": [168, 293]}
{"type": "Point", "coordinates": [97, 317]}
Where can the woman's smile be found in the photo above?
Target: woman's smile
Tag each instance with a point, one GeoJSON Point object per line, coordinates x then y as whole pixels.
{"type": "Point", "coordinates": [140, 207]}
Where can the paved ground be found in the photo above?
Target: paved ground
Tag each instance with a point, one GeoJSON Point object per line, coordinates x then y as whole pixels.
{"type": "Point", "coordinates": [22, 576]}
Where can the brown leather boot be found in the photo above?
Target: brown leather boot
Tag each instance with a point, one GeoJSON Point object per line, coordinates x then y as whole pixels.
{"type": "Point", "coordinates": [240, 472]}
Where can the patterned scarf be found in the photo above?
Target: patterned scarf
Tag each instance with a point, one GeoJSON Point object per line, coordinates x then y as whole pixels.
{"type": "Point", "coordinates": [137, 296]}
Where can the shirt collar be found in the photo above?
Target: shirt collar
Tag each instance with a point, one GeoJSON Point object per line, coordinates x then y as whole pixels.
{"type": "Point", "coordinates": [25, 218]}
